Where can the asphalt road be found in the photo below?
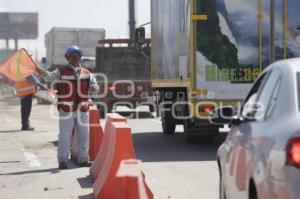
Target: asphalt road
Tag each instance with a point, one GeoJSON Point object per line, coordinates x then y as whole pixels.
{"type": "Point", "coordinates": [174, 168]}
{"type": "Point", "coordinates": [28, 167]}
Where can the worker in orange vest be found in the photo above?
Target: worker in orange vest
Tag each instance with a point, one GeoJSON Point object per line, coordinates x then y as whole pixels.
{"type": "Point", "coordinates": [26, 104]}
{"type": "Point", "coordinates": [25, 89]}
{"type": "Point", "coordinates": [26, 100]}
{"type": "Point", "coordinates": [74, 86]}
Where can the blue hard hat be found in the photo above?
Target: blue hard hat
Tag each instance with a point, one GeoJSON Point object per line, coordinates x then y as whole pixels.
{"type": "Point", "coordinates": [73, 49]}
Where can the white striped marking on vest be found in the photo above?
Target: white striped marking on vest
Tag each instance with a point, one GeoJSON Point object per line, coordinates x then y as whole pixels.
{"type": "Point", "coordinates": [84, 76]}
{"type": "Point", "coordinates": [66, 103]}
{"type": "Point", "coordinates": [25, 88]}
{"type": "Point", "coordinates": [67, 77]}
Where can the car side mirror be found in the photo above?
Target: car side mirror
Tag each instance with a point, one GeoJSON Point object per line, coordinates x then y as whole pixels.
{"type": "Point", "coordinates": [140, 40]}
{"type": "Point", "coordinates": [237, 120]}
{"type": "Point", "coordinates": [222, 116]}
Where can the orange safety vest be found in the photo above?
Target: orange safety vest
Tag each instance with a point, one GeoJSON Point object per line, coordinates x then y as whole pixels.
{"type": "Point", "coordinates": [24, 87]}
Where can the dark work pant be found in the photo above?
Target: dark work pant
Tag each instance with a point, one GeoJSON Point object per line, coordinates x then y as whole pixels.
{"type": "Point", "coordinates": [26, 103]}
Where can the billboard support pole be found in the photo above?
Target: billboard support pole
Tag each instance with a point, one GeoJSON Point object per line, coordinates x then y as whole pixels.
{"type": "Point", "coordinates": [272, 31]}
{"type": "Point", "coordinates": [285, 15]}
{"type": "Point", "coordinates": [16, 44]}
{"type": "Point", "coordinates": [260, 18]}
{"type": "Point", "coordinates": [7, 44]}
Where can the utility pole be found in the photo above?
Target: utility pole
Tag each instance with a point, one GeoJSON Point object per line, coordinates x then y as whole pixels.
{"type": "Point", "coordinates": [272, 31]}
{"type": "Point", "coordinates": [285, 18]}
{"type": "Point", "coordinates": [16, 44]}
{"type": "Point", "coordinates": [7, 44]}
{"type": "Point", "coordinates": [260, 32]}
{"type": "Point", "coordinates": [131, 18]}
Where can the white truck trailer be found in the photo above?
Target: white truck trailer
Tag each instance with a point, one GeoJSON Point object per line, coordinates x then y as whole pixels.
{"type": "Point", "coordinates": [58, 39]}
{"type": "Point", "coordinates": [206, 54]}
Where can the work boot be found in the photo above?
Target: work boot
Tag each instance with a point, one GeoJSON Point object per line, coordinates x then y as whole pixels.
{"type": "Point", "coordinates": [84, 164]}
{"type": "Point", "coordinates": [62, 165]}
{"type": "Point", "coordinates": [27, 128]}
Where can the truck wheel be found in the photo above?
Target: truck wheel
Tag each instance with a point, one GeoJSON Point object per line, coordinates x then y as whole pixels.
{"type": "Point", "coordinates": [102, 114]}
{"type": "Point", "coordinates": [151, 108]}
{"type": "Point", "coordinates": [109, 107]}
{"type": "Point", "coordinates": [210, 135]}
{"type": "Point", "coordinates": [187, 128]}
{"type": "Point", "coordinates": [158, 114]}
{"type": "Point", "coordinates": [168, 123]}
{"type": "Point", "coordinates": [207, 138]}
{"type": "Point", "coordinates": [103, 111]}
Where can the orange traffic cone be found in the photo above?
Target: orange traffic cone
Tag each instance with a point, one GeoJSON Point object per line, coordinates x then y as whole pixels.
{"type": "Point", "coordinates": [130, 181]}
{"type": "Point", "coordinates": [105, 146]}
{"type": "Point", "coordinates": [120, 148]}
{"type": "Point", "coordinates": [96, 133]}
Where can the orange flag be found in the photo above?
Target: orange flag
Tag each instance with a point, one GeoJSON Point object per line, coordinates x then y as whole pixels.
{"type": "Point", "coordinates": [18, 66]}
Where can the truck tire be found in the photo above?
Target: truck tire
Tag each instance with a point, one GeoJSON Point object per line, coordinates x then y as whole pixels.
{"type": "Point", "coordinates": [151, 108]}
{"type": "Point", "coordinates": [103, 112]}
{"type": "Point", "coordinates": [187, 128]}
{"type": "Point", "coordinates": [168, 123]}
{"type": "Point", "coordinates": [194, 134]}
{"type": "Point", "coordinates": [210, 135]}
{"type": "Point", "coordinates": [208, 138]}
{"type": "Point", "coordinates": [110, 107]}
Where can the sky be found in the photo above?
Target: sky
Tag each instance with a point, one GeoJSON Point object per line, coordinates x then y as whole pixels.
{"type": "Point", "coordinates": [112, 15]}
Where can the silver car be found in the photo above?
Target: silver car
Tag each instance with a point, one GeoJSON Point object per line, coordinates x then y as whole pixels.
{"type": "Point", "coordinates": [260, 157]}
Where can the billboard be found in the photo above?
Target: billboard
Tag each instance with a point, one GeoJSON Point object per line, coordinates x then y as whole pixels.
{"type": "Point", "coordinates": [229, 42]}
{"type": "Point", "coordinates": [18, 25]}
